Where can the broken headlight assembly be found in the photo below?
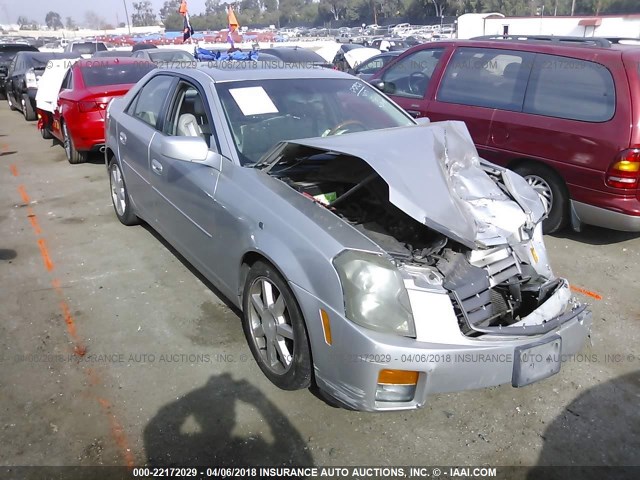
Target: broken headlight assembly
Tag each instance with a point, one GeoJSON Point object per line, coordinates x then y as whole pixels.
{"type": "Point", "coordinates": [374, 293]}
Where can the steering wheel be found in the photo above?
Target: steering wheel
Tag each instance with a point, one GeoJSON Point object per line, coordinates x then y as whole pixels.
{"type": "Point", "coordinates": [344, 125]}
{"type": "Point", "coordinates": [415, 81]}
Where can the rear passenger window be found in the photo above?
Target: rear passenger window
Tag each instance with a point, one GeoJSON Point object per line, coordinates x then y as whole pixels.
{"type": "Point", "coordinates": [570, 88]}
{"type": "Point", "coordinates": [485, 77]}
{"type": "Point", "coordinates": [149, 102]}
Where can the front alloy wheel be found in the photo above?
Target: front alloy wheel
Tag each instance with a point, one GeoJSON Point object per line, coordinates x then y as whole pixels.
{"type": "Point", "coordinates": [275, 329]}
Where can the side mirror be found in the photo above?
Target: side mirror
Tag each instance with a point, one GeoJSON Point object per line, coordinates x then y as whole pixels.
{"type": "Point", "coordinates": [423, 120]}
{"type": "Point", "coordinates": [191, 149]}
{"type": "Point", "coordinates": [379, 84]}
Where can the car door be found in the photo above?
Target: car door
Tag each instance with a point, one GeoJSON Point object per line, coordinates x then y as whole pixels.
{"type": "Point", "coordinates": [137, 127]}
{"type": "Point", "coordinates": [477, 83]}
{"type": "Point", "coordinates": [11, 78]}
{"type": "Point", "coordinates": [408, 80]}
{"type": "Point", "coordinates": [566, 119]}
{"type": "Point", "coordinates": [185, 191]}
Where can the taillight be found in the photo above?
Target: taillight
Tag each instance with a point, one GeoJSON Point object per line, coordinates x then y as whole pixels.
{"type": "Point", "coordinates": [30, 79]}
{"type": "Point", "coordinates": [91, 106]}
{"type": "Point", "coordinates": [625, 170]}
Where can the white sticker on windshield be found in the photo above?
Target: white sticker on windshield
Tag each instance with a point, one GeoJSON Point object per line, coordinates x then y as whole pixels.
{"type": "Point", "coordinates": [253, 100]}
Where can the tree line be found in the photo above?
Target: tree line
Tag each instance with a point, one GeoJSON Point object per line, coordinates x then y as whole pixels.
{"type": "Point", "coordinates": [282, 13]}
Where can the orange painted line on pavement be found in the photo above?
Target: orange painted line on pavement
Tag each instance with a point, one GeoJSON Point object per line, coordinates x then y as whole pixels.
{"type": "Point", "coordinates": [586, 292]}
{"type": "Point", "coordinates": [117, 432]}
{"type": "Point", "coordinates": [48, 264]}
{"type": "Point", "coordinates": [116, 429]}
{"type": "Point", "coordinates": [23, 194]}
{"type": "Point", "coordinates": [34, 221]}
{"type": "Point", "coordinates": [14, 170]}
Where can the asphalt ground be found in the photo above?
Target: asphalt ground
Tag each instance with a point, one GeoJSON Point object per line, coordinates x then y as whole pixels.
{"type": "Point", "coordinates": [114, 351]}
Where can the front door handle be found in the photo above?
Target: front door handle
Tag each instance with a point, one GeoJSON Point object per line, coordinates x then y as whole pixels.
{"type": "Point", "coordinates": [123, 138]}
{"type": "Point", "coordinates": [156, 166]}
{"type": "Point", "coordinates": [414, 113]}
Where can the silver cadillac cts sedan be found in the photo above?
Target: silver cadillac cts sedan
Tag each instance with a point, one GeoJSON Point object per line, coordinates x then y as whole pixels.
{"type": "Point", "coordinates": [372, 256]}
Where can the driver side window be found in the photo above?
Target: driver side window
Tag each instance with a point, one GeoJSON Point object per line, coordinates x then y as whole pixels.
{"type": "Point", "coordinates": [410, 76]}
{"type": "Point", "coordinates": [188, 115]}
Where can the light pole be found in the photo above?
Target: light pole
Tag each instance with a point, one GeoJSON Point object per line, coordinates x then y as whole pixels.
{"type": "Point", "coordinates": [126, 12]}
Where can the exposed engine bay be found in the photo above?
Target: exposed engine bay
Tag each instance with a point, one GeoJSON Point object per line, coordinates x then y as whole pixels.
{"type": "Point", "coordinates": [490, 286]}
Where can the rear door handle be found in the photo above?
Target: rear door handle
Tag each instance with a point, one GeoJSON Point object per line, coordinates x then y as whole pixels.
{"type": "Point", "coordinates": [414, 113]}
{"type": "Point", "coordinates": [156, 166]}
{"type": "Point", "coordinates": [123, 138]}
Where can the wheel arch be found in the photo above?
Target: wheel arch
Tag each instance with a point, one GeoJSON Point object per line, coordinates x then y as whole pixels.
{"type": "Point", "coordinates": [248, 260]}
{"type": "Point", "coordinates": [522, 161]}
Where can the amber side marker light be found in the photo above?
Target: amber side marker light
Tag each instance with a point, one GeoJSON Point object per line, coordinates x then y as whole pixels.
{"type": "Point", "coordinates": [396, 385]}
{"type": "Point", "coordinates": [326, 327]}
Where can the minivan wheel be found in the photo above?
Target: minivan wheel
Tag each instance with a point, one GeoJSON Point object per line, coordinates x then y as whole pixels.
{"type": "Point", "coordinates": [552, 191]}
{"type": "Point", "coordinates": [275, 329]}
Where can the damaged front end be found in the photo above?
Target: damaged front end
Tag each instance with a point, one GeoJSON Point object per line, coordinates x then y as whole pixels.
{"type": "Point", "coordinates": [451, 223]}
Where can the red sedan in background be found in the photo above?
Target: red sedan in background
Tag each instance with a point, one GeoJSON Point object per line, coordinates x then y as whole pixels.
{"type": "Point", "coordinates": [78, 122]}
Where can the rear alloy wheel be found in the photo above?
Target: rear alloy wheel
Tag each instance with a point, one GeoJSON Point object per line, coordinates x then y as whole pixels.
{"type": "Point", "coordinates": [275, 330]}
{"type": "Point", "coordinates": [73, 155]}
{"type": "Point", "coordinates": [27, 109]}
{"type": "Point", "coordinates": [120, 196]}
{"type": "Point", "coordinates": [553, 193]}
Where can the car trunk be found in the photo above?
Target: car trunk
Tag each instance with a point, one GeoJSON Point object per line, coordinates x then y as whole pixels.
{"type": "Point", "coordinates": [97, 98]}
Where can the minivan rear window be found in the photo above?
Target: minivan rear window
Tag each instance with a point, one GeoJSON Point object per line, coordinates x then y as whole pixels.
{"type": "Point", "coordinates": [570, 88]}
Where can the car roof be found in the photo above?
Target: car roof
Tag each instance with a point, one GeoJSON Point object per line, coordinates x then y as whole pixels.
{"type": "Point", "coordinates": [92, 62]}
{"type": "Point", "coordinates": [240, 71]}
{"type": "Point", "coordinates": [22, 47]}
{"type": "Point", "coordinates": [539, 46]}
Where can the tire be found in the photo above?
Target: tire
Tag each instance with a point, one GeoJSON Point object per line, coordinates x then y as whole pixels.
{"type": "Point", "coordinates": [70, 151]}
{"type": "Point", "coordinates": [27, 109]}
{"type": "Point", "coordinates": [120, 196]}
{"type": "Point", "coordinates": [552, 191]}
{"type": "Point", "coordinates": [3, 95]}
{"type": "Point", "coordinates": [281, 326]}
{"type": "Point", "coordinates": [46, 133]}
{"type": "Point", "coordinates": [10, 102]}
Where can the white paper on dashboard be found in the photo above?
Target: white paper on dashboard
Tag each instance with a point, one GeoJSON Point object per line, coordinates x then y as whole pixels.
{"type": "Point", "coordinates": [253, 100]}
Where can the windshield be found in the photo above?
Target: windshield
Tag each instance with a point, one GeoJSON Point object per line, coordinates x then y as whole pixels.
{"type": "Point", "coordinates": [86, 48]}
{"type": "Point", "coordinates": [262, 113]}
{"type": "Point", "coordinates": [170, 57]}
{"type": "Point", "coordinates": [98, 73]}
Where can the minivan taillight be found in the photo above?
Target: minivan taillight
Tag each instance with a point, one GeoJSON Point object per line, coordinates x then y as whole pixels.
{"type": "Point", "coordinates": [625, 170]}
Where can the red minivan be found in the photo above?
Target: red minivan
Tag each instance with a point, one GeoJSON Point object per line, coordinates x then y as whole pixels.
{"type": "Point", "coordinates": [565, 116]}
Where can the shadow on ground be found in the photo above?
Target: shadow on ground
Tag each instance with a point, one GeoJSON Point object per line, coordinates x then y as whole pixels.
{"type": "Point", "coordinates": [599, 428]}
{"type": "Point", "coordinates": [197, 429]}
{"type": "Point", "coordinates": [596, 235]}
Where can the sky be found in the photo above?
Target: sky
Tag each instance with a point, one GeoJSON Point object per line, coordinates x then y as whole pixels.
{"type": "Point", "coordinates": [10, 10]}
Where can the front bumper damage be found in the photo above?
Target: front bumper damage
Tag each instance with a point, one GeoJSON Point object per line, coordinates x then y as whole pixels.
{"type": "Point", "coordinates": [349, 373]}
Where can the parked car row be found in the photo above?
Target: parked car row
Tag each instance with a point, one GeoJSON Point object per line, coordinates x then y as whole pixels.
{"type": "Point", "coordinates": [367, 250]}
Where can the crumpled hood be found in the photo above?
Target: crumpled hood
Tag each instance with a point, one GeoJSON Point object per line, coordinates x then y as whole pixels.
{"type": "Point", "coordinates": [436, 177]}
